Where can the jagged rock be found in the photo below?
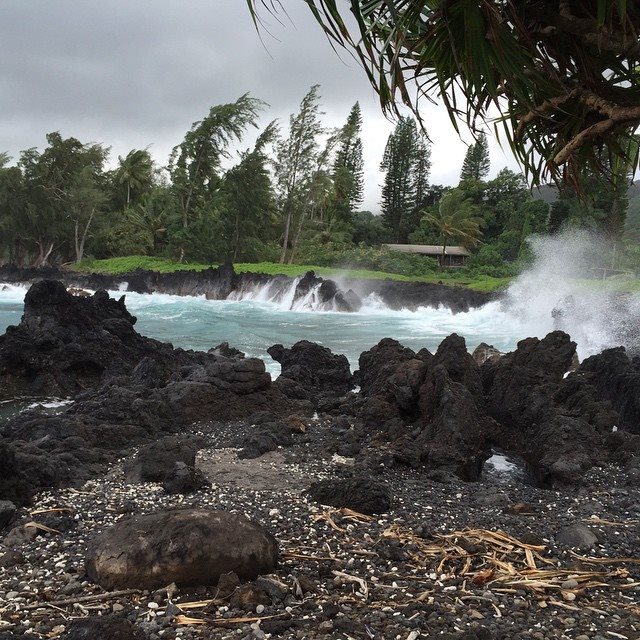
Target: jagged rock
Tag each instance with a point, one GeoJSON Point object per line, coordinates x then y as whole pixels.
{"type": "Point", "coordinates": [314, 368]}
{"type": "Point", "coordinates": [558, 444]}
{"type": "Point", "coordinates": [156, 461]}
{"type": "Point", "coordinates": [486, 353]}
{"type": "Point", "coordinates": [362, 494]}
{"type": "Point", "coordinates": [65, 343]}
{"type": "Point", "coordinates": [142, 389]}
{"type": "Point", "coordinates": [616, 378]}
{"type": "Point", "coordinates": [454, 433]}
{"type": "Point", "coordinates": [189, 547]}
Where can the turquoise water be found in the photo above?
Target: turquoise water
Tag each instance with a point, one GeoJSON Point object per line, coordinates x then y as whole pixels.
{"type": "Point", "coordinates": [253, 325]}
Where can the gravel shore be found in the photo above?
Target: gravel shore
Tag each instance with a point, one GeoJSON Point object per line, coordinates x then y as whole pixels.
{"type": "Point", "coordinates": [402, 574]}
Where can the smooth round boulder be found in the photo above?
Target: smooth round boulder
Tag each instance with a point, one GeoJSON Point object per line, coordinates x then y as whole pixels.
{"type": "Point", "coordinates": [190, 547]}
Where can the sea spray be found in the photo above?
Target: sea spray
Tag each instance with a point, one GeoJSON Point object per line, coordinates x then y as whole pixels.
{"type": "Point", "coordinates": [561, 291]}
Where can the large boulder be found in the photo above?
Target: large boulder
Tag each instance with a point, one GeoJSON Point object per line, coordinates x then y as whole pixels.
{"type": "Point", "coordinates": [154, 462]}
{"type": "Point", "coordinates": [190, 547]}
{"type": "Point", "coordinates": [556, 424]}
{"type": "Point", "coordinates": [313, 368]}
{"type": "Point", "coordinates": [359, 493]}
{"type": "Point", "coordinates": [66, 343]}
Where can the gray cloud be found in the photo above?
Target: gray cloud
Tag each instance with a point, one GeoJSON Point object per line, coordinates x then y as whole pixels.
{"type": "Point", "coordinates": [132, 73]}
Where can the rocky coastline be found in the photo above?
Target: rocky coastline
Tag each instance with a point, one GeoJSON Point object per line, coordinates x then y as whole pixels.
{"type": "Point", "coordinates": [222, 282]}
{"type": "Point", "coordinates": [188, 495]}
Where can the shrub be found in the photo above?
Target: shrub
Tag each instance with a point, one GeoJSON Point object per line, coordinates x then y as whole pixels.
{"type": "Point", "coordinates": [361, 256]}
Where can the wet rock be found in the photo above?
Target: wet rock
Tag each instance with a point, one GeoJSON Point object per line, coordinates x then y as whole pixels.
{"type": "Point", "coordinates": [577, 536]}
{"type": "Point", "coordinates": [362, 494]}
{"type": "Point", "coordinates": [65, 343]}
{"type": "Point", "coordinates": [188, 547]}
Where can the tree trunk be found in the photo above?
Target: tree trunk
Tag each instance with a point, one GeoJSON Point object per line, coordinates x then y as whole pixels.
{"type": "Point", "coordinates": [296, 238]}
{"type": "Point", "coordinates": [81, 242]}
{"type": "Point", "coordinates": [236, 239]}
{"type": "Point", "coordinates": [285, 240]}
{"type": "Point", "coordinates": [128, 192]}
{"type": "Point", "coordinates": [44, 251]}
{"type": "Point", "coordinates": [444, 250]}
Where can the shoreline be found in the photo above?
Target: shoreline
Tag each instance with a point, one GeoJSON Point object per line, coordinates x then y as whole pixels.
{"type": "Point", "coordinates": [221, 282]}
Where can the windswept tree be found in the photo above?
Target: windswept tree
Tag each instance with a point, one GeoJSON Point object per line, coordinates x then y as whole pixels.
{"type": "Point", "coordinates": [13, 232]}
{"type": "Point", "coordinates": [348, 165]}
{"type": "Point", "coordinates": [248, 200]}
{"type": "Point", "coordinates": [296, 163]}
{"type": "Point", "coordinates": [562, 75]}
{"type": "Point", "coordinates": [57, 182]}
{"type": "Point", "coordinates": [456, 219]}
{"type": "Point", "coordinates": [135, 173]}
{"type": "Point", "coordinates": [476, 162]}
{"type": "Point", "coordinates": [194, 165]}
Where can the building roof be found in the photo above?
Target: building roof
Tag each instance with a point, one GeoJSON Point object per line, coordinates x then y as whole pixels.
{"type": "Point", "coordinates": [428, 249]}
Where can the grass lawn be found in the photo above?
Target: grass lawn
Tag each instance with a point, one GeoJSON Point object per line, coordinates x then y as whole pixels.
{"type": "Point", "coordinates": [115, 266]}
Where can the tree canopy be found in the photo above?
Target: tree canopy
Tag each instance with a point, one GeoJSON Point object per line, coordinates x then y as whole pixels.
{"type": "Point", "coordinates": [562, 75]}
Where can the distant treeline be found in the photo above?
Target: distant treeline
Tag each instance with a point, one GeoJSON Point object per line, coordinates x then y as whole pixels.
{"type": "Point", "coordinates": [294, 196]}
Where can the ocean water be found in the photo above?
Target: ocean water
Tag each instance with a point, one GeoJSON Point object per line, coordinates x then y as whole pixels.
{"type": "Point", "coordinates": [551, 294]}
{"type": "Point", "coordinates": [252, 325]}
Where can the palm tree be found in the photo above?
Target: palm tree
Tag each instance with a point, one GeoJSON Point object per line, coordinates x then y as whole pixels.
{"type": "Point", "coordinates": [135, 170]}
{"type": "Point", "coordinates": [563, 75]}
{"type": "Point", "coordinates": [455, 218]}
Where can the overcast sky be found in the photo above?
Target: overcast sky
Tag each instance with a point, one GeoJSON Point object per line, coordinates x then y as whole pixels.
{"type": "Point", "coordinates": [134, 73]}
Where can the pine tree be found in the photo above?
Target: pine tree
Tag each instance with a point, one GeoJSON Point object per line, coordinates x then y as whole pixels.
{"type": "Point", "coordinates": [476, 163]}
{"type": "Point", "coordinates": [348, 166]}
{"type": "Point", "coordinates": [406, 165]}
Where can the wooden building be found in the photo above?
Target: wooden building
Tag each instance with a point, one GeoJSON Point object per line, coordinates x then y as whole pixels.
{"type": "Point", "coordinates": [453, 256]}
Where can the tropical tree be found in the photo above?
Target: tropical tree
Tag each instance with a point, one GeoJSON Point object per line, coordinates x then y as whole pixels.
{"type": "Point", "coordinates": [562, 75]}
{"type": "Point", "coordinates": [12, 218]}
{"type": "Point", "coordinates": [135, 172]}
{"type": "Point", "coordinates": [248, 201]}
{"type": "Point", "coordinates": [54, 180]}
{"type": "Point", "coordinates": [476, 162]}
{"type": "Point", "coordinates": [455, 219]}
{"type": "Point", "coordinates": [296, 163]}
{"type": "Point", "coordinates": [194, 164]}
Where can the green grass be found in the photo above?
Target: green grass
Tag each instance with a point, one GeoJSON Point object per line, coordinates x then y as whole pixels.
{"type": "Point", "coordinates": [487, 284]}
{"type": "Point", "coordinates": [115, 266]}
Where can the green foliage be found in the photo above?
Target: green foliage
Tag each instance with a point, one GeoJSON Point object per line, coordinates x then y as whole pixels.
{"type": "Point", "coordinates": [368, 229]}
{"type": "Point", "coordinates": [563, 78]}
{"type": "Point", "coordinates": [455, 219]}
{"type": "Point", "coordinates": [366, 257]}
{"type": "Point", "coordinates": [476, 162]}
{"type": "Point", "coordinates": [406, 165]}
{"type": "Point", "coordinates": [195, 163]}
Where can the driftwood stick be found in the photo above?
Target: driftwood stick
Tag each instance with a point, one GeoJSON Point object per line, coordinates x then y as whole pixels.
{"type": "Point", "coordinates": [93, 598]}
